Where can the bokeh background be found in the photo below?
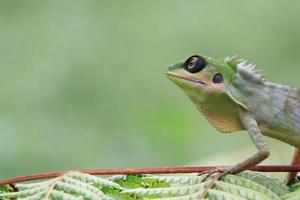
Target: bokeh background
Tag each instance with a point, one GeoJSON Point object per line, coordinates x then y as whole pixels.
{"type": "Point", "coordinates": [82, 82]}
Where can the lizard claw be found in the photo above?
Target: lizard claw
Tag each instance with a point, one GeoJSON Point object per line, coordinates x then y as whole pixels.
{"type": "Point", "coordinates": [220, 172]}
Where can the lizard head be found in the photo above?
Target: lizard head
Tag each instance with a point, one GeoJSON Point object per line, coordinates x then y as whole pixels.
{"type": "Point", "coordinates": [205, 82]}
{"type": "Point", "coordinates": [200, 76]}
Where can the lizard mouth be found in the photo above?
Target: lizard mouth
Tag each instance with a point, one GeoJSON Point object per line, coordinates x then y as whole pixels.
{"type": "Point", "coordinates": [187, 79]}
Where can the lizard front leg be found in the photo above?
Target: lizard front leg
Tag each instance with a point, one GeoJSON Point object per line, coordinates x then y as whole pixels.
{"type": "Point", "coordinates": [256, 136]}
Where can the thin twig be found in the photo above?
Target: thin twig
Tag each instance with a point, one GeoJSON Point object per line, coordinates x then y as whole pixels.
{"type": "Point", "coordinates": [154, 170]}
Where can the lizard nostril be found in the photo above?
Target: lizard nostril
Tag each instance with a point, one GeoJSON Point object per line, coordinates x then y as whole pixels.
{"type": "Point", "coordinates": [171, 68]}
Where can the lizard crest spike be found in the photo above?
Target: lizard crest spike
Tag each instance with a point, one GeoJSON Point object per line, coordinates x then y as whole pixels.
{"type": "Point", "coordinates": [234, 96]}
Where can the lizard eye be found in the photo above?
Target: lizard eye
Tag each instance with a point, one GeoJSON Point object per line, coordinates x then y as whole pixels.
{"type": "Point", "coordinates": [218, 78]}
{"type": "Point", "coordinates": [194, 64]}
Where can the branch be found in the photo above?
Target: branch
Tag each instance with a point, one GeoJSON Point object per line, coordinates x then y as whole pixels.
{"type": "Point", "coordinates": [154, 170]}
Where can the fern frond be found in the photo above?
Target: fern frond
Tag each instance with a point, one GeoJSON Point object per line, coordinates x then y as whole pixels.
{"type": "Point", "coordinates": [246, 183]}
{"type": "Point", "coordinates": [79, 186]}
{"type": "Point", "coordinates": [179, 180]}
{"type": "Point", "coordinates": [194, 196]}
{"type": "Point", "coordinates": [24, 193]}
{"type": "Point", "coordinates": [292, 196]}
{"type": "Point", "coordinates": [167, 192]}
{"type": "Point", "coordinates": [220, 195]}
{"type": "Point", "coordinates": [269, 182]}
{"type": "Point", "coordinates": [37, 196]}
{"type": "Point", "coordinates": [240, 191]}
{"type": "Point", "coordinates": [94, 180]}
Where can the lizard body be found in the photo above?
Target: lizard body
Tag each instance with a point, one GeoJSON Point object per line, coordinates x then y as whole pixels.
{"type": "Point", "coordinates": [234, 95]}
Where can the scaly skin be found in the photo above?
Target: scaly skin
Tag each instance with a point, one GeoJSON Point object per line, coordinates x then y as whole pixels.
{"type": "Point", "coordinates": [233, 95]}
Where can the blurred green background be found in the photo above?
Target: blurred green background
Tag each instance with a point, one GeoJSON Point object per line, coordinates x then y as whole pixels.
{"type": "Point", "coordinates": [82, 82]}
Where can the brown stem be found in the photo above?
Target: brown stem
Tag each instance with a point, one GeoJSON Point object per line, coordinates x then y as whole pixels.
{"type": "Point", "coordinates": [155, 170]}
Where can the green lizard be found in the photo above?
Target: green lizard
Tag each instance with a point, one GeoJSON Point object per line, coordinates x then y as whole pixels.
{"type": "Point", "coordinates": [233, 95]}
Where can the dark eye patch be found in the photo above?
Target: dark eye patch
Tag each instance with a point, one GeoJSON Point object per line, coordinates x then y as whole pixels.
{"type": "Point", "coordinates": [218, 78]}
{"type": "Point", "coordinates": [194, 64]}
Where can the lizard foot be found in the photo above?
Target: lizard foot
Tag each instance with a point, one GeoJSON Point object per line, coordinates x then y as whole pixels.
{"type": "Point", "coordinates": [218, 173]}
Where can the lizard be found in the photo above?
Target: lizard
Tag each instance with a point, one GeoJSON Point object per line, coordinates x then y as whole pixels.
{"type": "Point", "coordinates": [234, 95]}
